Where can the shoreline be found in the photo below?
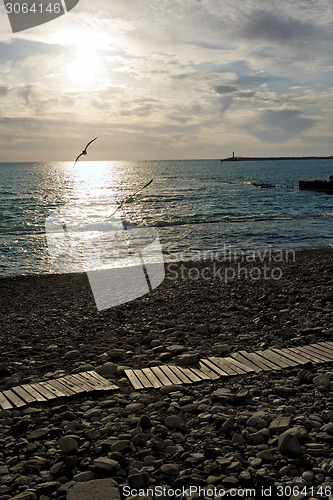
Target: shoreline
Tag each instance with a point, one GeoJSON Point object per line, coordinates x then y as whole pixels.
{"type": "Point", "coordinates": [222, 433]}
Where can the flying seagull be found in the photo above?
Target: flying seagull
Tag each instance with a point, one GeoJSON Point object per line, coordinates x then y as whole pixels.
{"type": "Point", "coordinates": [84, 152]}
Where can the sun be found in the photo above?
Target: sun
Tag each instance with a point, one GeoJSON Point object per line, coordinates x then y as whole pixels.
{"type": "Point", "coordinates": [85, 67]}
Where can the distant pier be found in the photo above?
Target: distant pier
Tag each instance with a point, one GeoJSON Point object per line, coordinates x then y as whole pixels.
{"type": "Point", "coordinates": [274, 158]}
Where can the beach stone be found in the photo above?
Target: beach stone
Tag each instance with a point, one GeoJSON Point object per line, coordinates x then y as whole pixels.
{"type": "Point", "coordinates": [107, 370]}
{"type": "Point", "coordinates": [257, 422]}
{"type": "Point", "coordinates": [238, 439]}
{"type": "Point", "coordinates": [38, 434]}
{"type": "Point", "coordinates": [280, 424]}
{"type": "Point", "coordinates": [72, 354]}
{"type": "Point", "coordinates": [98, 489]}
{"type": "Point", "coordinates": [266, 455]}
{"type": "Point", "coordinates": [322, 380]}
{"type": "Point", "coordinates": [288, 444]}
{"type": "Point", "coordinates": [167, 389]}
{"type": "Point", "coordinates": [134, 406]}
{"type": "Point", "coordinates": [188, 359]}
{"type": "Point", "coordinates": [170, 469]}
{"type": "Point", "coordinates": [25, 495]}
{"type": "Point", "coordinates": [202, 329]}
{"type": "Point", "coordinates": [67, 444]}
{"type": "Point", "coordinates": [308, 475]}
{"type": "Point", "coordinates": [138, 481]}
{"type": "Point", "coordinates": [84, 476]}
{"type": "Point", "coordinates": [105, 463]}
{"type": "Point", "coordinates": [174, 422]}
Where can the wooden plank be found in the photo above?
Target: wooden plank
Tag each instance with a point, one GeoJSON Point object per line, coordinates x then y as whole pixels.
{"type": "Point", "coordinates": [288, 356]}
{"type": "Point", "coordinates": [214, 368]}
{"type": "Point", "coordinates": [316, 357]}
{"type": "Point", "coordinates": [57, 393]}
{"type": "Point", "coordinates": [328, 353]}
{"type": "Point", "coordinates": [104, 382]}
{"type": "Point", "coordinates": [161, 375]}
{"type": "Point", "coordinates": [42, 390]}
{"type": "Point", "coordinates": [87, 386]}
{"type": "Point", "coordinates": [305, 355]}
{"type": "Point", "coordinates": [143, 379]}
{"type": "Point", "coordinates": [133, 379]}
{"type": "Point", "coordinates": [277, 359]}
{"type": "Point", "coordinates": [238, 357]}
{"type": "Point", "coordinates": [77, 383]}
{"type": "Point", "coordinates": [324, 345]}
{"type": "Point", "coordinates": [202, 375]}
{"type": "Point", "coordinates": [4, 403]}
{"type": "Point", "coordinates": [92, 381]}
{"type": "Point", "coordinates": [221, 363]}
{"type": "Point", "coordinates": [324, 358]}
{"type": "Point", "coordinates": [208, 372]}
{"type": "Point", "coordinates": [170, 374]}
{"type": "Point", "coordinates": [70, 384]}
{"type": "Point", "coordinates": [271, 364]}
{"type": "Point", "coordinates": [152, 377]}
{"type": "Point", "coordinates": [239, 365]}
{"type": "Point", "coordinates": [184, 379]}
{"type": "Point", "coordinates": [23, 394]}
{"type": "Point", "coordinates": [294, 355]}
{"type": "Point", "coordinates": [257, 360]}
{"type": "Point", "coordinates": [188, 373]}
{"type": "Point", "coordinates": [33, 392]}
{"type": "Point", "coordinates": [57, 385]}
{"type": "Point", "coordinates": [13, 398]}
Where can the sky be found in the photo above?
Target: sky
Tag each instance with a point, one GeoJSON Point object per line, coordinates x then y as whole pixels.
{"type": "Point", "coordinates": [169, 79]}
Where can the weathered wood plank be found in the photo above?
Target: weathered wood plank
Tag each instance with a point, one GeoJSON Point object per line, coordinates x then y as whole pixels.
{"type": "Point", "coordinates": [257, 360]}
{"type": "Point", "coordinates": [152, 377]}
{"type": "Point", "coordinates": [239, 365]}
{"type": "Point", "coordinates": [39, 397]}
{"type": "Point", "coordinates": [214, 368]}
{"type": "Point", "coordinates": [104, 382]}
{"type": "Point", "coordinates": [43, 391]}
{"type": "Point", "coordinates": [326, 346]}
{"type": "Point", "coordinates": [89, 379]}
{"type": "Point", "coordinates": [316, 357]}
{"type": "Point", "coordinates": [184, 379]}
{"type": "Point", "coordinates": [271, 364]}
{"type": "Point", "coordinates": [238, 357]}
{"type": "Point", "coordinates": [70, 384]}
{"type": "Point", "coordinates": [161, 375]}
{"type": "Point", "coordinates": [82, 382]}
{"type": "Point", "coordinates": [305, 355]}
{"type": "Point", "coordinates": [296, 356]}
{"type": "Point", "coordinates": [52, 389]}
{"type": "Point", "coordinates": [199, 373]}
{"type": "Point", "coordinates": [143, 379]}
{"type": "Point", "coordinates": [133, 379]}
{"type": "Point", "coordinates": [287, 356]}
{"type": "Point", "coordinates": [13, 398]}
{"type": "Point", "coordinates": [224, 365]}
{"type": "Point", "coordinates": [192, 376]}
{"type": "Point", "coordinates": [323, 357]}
{"type": "Point", "coordinates": [65, 390]}
{"type": "Point", "coordinates": [328, 353]}
{"type": "Point", "coordinates": [23, 394]}
{"type": "Point", "coordinates": [92, 385]}
{"type": "Point", "coordinates": [4, 403]}
{"type": "Point", "coordinates": [208, 372]}
{"type": "Point", "coordinates": [275, 358]}
{"type": "Point", "coordinates": [170, 374]}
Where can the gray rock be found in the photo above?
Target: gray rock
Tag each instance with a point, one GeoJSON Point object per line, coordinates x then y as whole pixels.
{"type": "Point", "coordinates": [322, 380]}
{"type": "Point", "coordinates": [38, 433]}
{"type": "Point", "coordinates": [170, 469]}
{"type": "Point", "coordinates": [280, 424]}
{"type": "Point", "coordinates": [288, 444]}
{"type": "Point", "coordinates": [67, 444]}
{"type": "Point", "coordinates": [105, 463]}
{"type": "Point", "coordinates": [107, 370]}
{"type": "Point", "coordinates": [84, 476]}
{"type": "Point", "coordinates": [98, 489]}
{"type": "Point", "coordinates": [174, 422]}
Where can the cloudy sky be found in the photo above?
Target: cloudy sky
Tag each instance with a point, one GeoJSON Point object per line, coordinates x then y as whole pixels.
{"type": "Point", "coordinates": [168, 79]}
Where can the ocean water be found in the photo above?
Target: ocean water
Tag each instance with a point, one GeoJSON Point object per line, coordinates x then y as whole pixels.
{"type": "Point", "coordinates": [193, 205]}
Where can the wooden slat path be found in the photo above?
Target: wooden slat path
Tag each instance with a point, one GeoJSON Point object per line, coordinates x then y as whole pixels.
{"type": "Point", "coordinates": [237, 363]}
{"type": "Point", "coordinates": [41, 392]}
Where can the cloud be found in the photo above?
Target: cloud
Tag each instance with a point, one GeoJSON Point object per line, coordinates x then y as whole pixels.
{"type": "Point", "coordinates": [225, 89]}
{"type": "Point", "coordinates": [273, 125]}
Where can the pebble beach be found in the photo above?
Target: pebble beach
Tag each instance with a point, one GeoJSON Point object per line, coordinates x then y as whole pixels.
{"type": "Point", "coordinates": [266, 435]}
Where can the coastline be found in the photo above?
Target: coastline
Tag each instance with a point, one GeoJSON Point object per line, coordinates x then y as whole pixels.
{"type": "Point", "coordinates": [50, 323]}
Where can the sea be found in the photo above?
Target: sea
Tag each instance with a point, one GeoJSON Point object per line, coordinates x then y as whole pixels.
{"type": "Point", "coordinates": [194, 207]}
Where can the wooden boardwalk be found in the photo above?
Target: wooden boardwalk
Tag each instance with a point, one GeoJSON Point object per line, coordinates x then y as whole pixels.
{"type": "Point", "coordinates": [238, 363]}
{"type": "Point", "coordinates": [62, 387]}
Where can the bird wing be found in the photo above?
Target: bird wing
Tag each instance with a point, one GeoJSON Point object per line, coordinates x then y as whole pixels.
{"type": "Point", "coordinates": [90, 143]}
{"type": "Point", "coordinates": [77, 159]}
